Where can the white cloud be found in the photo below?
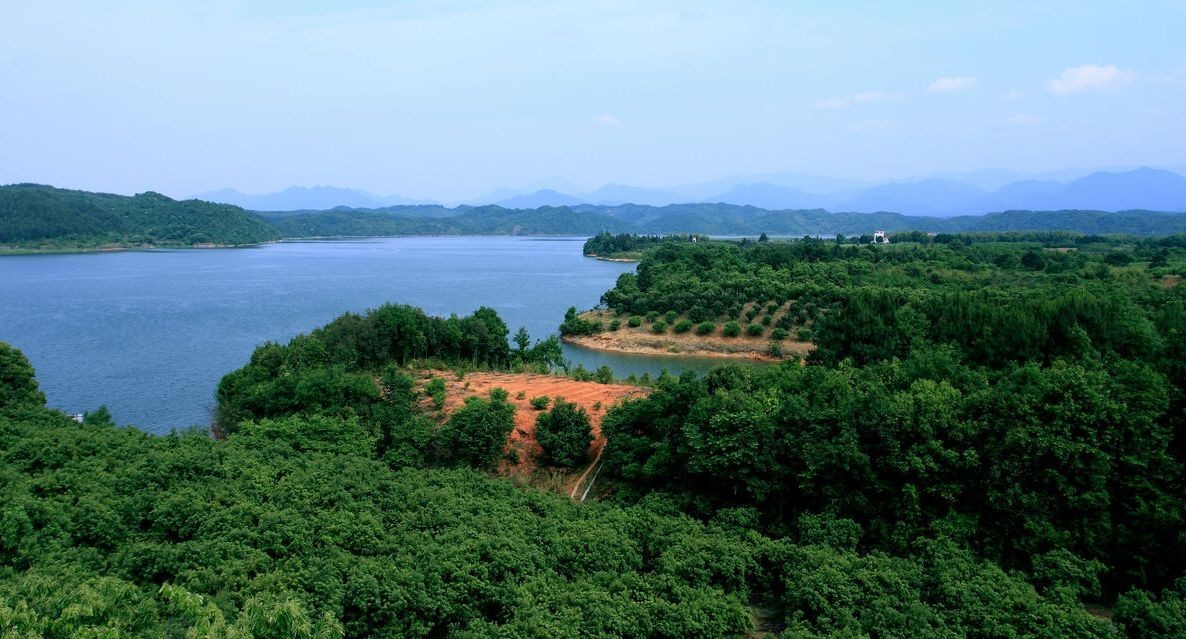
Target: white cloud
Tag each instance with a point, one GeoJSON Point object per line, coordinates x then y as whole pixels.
{"type": "Point", "coordinates": [1088, 77]}
{"type": "Point", "coordinates": [872, 125]}
{"type": "Point", "coordinates": [953, 84]}
{"type": "Point", "coordinates": [606, 119]}
{"type": "Point", "coordinates": [843, 102]}
{"type": "Point", "coordinates": [1013, 95]}
{"type": "Point", "coordinates": [1025, 119]}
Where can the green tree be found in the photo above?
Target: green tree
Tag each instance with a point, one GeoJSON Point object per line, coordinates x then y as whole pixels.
{"type": "Point", "coordinates": [18, 386]}
{"type": "Point", "coordinates": [477, 431]}
{"type": "Point", "coordinates": [564, 433]}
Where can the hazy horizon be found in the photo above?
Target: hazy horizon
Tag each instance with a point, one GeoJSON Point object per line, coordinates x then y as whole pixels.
{"type": "Point", "coordinates": [454, 101]}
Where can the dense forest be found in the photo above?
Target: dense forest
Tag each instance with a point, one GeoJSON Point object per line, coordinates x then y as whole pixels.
{"type": "Point", "coordinates": [43, 217]}
{"type": "Point", "coordinates": [629, 246]}
{"type": "Point", "coordinates": [1021, 395]}
{"type": "Point", "coordinates": [337, 504]}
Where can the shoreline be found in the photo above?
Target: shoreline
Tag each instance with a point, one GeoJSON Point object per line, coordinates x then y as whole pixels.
{"type": "Point", "coordinates": [612, 259]}
{"type": "Point", "coordinates": [592, 342]}
{"type": "Point", "coordinates": [66, 250]}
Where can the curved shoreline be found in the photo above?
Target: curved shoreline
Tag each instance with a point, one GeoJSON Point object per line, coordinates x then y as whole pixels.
{"type": "Point", "coordinates": [591, 342]}
{"type": "Point", "coordinates": [612, 259]}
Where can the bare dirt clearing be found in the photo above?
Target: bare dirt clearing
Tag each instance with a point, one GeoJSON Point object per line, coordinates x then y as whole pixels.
{"type": "Point", "coordinates": [595, 398]}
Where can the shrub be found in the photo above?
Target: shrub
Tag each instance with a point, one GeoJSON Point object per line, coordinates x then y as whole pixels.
{"type": "Point", "coordinates": [704, 328]}
{"type": "Point", "coordinates": [574, 324]}
{"type": "Point", "coordinates": [604, 375]}
{"type": "Point", "coordinates": [634, 321]}
{"type": "Point", "coordinates": [754, 330]}
{"type": "Point", "coordinates": [779, 334]}
{"type": "Point", "coordinates": [804, 334]}
{"type": "Point", "coordinates": [615, 324]}
{"type": "Point", "coordinates": [435, 388]}
{"type": "Point", "coordinates": [732, 329]}
{"type": "Point", "coordinates": [520, 394]}
{"type": "Point", "coordinates": [477, 431]}
{"type": "Point", "coordinates": [776, 349]}
{"type": "Point", "coordinates": [683, 326]}
{"type": "Point", "coordinates": [651, 315]}
{"type": "Point", "coordinates": [766, 320]}
{"type": "Point", "coordinates": [751, 314]}
{"type": "Point", "coordinates": [670, 316]}
{"type": "Point", "coordinates": [659, 326]}
{"type": "Point", "coordinates": [564, 433]}
{"type": "Point", "coordinates": [539, 403]}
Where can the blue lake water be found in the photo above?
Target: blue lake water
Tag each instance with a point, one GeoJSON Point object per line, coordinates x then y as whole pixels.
{"type": "Point", "coordinates": [150, 333]}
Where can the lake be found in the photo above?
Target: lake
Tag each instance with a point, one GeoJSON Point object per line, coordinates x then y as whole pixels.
{"type": "Point", "coordinates": [150, 333]}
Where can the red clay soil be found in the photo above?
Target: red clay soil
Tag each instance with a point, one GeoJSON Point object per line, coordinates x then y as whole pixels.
{"type": "Point", "coordinates": [522, 438]}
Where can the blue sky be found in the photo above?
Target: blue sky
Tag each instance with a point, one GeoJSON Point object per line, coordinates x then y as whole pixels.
{"type": "Point", "coordinates": [449, 100]}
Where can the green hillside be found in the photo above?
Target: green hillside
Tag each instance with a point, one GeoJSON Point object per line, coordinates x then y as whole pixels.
{"type": "Point", "coordinates": [43, 217]}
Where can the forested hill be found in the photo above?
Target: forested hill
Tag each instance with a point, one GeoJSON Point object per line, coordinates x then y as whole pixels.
{"type": "Point", "coordinates": [428, 220]}
{"type": "Point", "coordinates": [712, 219]}
{"type": "Point", "coordinates": [43, 217]}
{"type": "Point", "coordinates": [36, 216]}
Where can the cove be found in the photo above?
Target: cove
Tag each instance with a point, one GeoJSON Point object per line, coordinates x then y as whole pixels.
{"type": "Point", "coordinates": [150, 333]}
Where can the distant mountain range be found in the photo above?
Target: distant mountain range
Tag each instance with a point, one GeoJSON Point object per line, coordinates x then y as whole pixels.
{"type": "Point", "coordinates": [940, 196]}
{"type": "Point", "coordinates": [300, 198]}
{"type": "Point", "coordinates": [37, 217]}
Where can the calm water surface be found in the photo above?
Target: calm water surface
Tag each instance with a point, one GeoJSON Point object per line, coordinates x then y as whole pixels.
{"type": "Point", "coordinates": [150, 333]}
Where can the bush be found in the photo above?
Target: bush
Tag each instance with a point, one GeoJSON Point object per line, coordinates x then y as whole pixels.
{"type": "Point", "coordinates": [435, 388]}
{"type": "Point", "coordinates": [539, 403]}
{"type": "Point", "coordinates": [477, 432]}
{"type": "Point", "coordinates": [670, 316]}
{"type": "Point", "coordinates": [574, 324]}
{"type": "Point", "coordinates": [754, 330]}
{"type": "Point", "coordinates": [775, 349]}
{"type": "Point", "coordinates": [683, 326]}
{"type": "Point", "coordinates": [767, 319]}
{"type": "Point", "coordinates": [615, 324]}
{"type": "Point", "coordinates": [651, 315]}
{"type": "Point", "coordinates": [779, 334]}
{"type": "Point", "coordinates": [634, 321]}
{"type": "Point", "coordinates": [732, 329]}
{"type": "Point", "coordinates": [564, 433]}
{"type": "Point", "coordinates": [520, 394]}
{"type": "Point", "coordinates": [604, 375]}
{"type": "Point", "coordinates": [704, 328]}
{"type": "Point", "coordinates": [804, 334]}
{"type": "Point", "coordinates": [659, 326]}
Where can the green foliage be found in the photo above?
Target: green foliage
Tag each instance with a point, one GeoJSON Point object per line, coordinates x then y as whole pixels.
{"type": "Point", "coordinates": [615, 324]}
{"type": "Point", "coordinates": [627, 246]}
{"type": "Point", "coordinates": [435, 388]}
{"type": "Point", "coordinates": [38, 216]}
{"type": "Point", "coordinates": [659, 327]}
{"type": "Point", "coordinates": [754, 330]}
{"type": "Point", "coordinates": [540, 402]}
{"type": "Point", "coordinates": [634, 321]}
{"type": "Point", "coordinates": [704, 328]}
{"type": "Point", "coordinates": [574, 324]}
{"type": "Point", "coordinates": [682, 326]}
{"type": "Point", "coordinates": [731, 329]}
{"type": "Point", "coordinates": [477, 431]}
{"type": "Point", "coordinates": [840, 501]}
{"type": "Point", "coordinates": [603, 375]}
{"type": "Point", "coordinates": [564, 433]}
{"type": "Point", "coordinates": [18, 386]}
{"type": "Point", "coordinates": [670, 317]}
{"type": "Point", "coordinates": [778, 334]}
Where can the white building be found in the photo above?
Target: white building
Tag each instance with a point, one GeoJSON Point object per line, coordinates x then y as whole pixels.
{"type": "Point", "coordinates": [879, 237]}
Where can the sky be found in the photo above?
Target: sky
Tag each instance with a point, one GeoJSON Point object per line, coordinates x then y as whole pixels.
{"type": "Point", "coordinates": [450, 100]}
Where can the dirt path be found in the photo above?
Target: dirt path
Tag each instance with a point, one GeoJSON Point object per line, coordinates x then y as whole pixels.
{"type": "Point", "coordinates": [595, 398]}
